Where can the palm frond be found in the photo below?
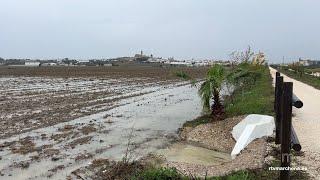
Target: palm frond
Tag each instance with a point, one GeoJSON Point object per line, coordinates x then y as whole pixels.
{"type": "Point", "coordinates": [205, 93]}
{"type": "Point", "coordinates": [215, 78]}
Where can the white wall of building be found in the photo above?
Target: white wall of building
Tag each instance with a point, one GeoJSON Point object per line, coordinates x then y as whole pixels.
{"type": "Point", "coordinates": [32, 64]}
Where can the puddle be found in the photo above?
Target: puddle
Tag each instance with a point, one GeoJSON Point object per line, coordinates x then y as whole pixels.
{"type": "Point", "coordinates": [186, 153]}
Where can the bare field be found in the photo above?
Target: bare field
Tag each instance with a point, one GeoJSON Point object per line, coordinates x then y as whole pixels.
{"type": "Point", "coordinates": [38, 97]}
{"type": "Point", "coordinates": [54, 120]}
{"type": "Point", "coordinates": [155, 72]}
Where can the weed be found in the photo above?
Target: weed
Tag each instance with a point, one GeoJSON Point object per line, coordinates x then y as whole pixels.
{"type": "Point", "coordinates": [183, 75]}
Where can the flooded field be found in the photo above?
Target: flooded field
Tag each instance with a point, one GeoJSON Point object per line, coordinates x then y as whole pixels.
{"type": "Point", "coordinates": [53, 125]}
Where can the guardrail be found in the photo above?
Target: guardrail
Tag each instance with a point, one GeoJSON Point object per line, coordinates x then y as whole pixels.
{"type": "Point", "coordinates": [285, 134]}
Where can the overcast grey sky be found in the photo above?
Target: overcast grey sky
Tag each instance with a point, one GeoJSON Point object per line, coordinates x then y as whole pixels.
{"type": "Point", "coordinates": [179, 28]}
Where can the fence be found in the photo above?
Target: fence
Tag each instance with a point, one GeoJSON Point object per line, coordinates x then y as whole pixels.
{"type": "Point", "coordinates": [285, 134]}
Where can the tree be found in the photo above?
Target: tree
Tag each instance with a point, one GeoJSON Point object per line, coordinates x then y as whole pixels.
{"type": "Point", "coordinates": [242, 56]}
{"type": "Point", "coordinates": [247, 54]}
{"type": "Point", "coordinates": [210, 89]}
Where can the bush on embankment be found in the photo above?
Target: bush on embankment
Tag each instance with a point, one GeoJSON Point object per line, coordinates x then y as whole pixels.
{"type": "Point", "coordinates": [255, 97]}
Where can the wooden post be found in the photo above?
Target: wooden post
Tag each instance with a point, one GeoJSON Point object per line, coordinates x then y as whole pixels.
{"type": "Point", "coordinates": [278, 94]}
{"type": "Point", "coordinates": [286, 108]}
{"type": "Point", "coordinates": [275, 90]}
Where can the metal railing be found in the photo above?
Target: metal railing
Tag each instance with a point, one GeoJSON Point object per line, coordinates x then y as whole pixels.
{"type": "Point", "coordinates": [285, 134]}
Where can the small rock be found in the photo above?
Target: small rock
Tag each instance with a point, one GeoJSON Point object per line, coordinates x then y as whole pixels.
{"type": "Point", "coordinates": [55, 158]}
{"type": "Point", "coordinates": [24, 165]}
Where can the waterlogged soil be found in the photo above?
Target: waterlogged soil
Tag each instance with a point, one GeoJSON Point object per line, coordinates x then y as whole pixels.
{"type": "Point", "coordinates": [31, 98]}
{"type": "Point", "coordinates": [183, 152]}
{"type": "Point", "coordinates": [53, 125]}
{"type": "Point", "coordinates": [207, 150]}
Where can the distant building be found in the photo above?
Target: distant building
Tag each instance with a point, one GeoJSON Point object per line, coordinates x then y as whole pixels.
{"type": "Point", "coordinates": [108, 65]}
{"type": "Point", "coordinates": [48, 64]}
{"type": "Point", "coordinates": [180, 63]}
{"type": "Point", "coordinates": [2, 62]}
{"type": "Point", "coordinates": [141, 57]}
{"type": "Point", "coordinates": [32, 63]}
{"type": "Point", "coordinates": [156, 60]}
{"type": "Point", "coordinates": [309, 62]}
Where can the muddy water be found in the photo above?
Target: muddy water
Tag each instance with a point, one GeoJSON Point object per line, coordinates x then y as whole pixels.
{"type": "Point", "coordinates": [187, 153]}
{"type": "Point", "coordinates": [148, 122]}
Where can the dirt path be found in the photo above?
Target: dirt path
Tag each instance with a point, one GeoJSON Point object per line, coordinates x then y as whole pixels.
{"type": "Point", "coordinates": [307, 124]}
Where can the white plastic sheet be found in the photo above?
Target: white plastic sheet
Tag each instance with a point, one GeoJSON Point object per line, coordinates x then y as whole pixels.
{"type": "Point", "coordinates": [252, 127]}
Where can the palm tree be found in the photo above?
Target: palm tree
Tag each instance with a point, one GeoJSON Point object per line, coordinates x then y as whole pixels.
{"type": "Point", "coordinates": [211, 88]}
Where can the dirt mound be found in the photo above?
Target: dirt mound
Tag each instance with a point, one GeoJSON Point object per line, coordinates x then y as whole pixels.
{"type": "Point", "coordinates": [215, 135]}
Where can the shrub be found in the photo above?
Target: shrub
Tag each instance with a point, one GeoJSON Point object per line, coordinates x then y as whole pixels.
{"type": "Point", "coordinates": [182, 75]}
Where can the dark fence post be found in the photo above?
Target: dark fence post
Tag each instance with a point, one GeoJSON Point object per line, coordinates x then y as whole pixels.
{"type": "Point", "coordinates": [277, 102]}
{"type": "Point", "coordinates": [295, 144]}
{"type": "Point", "coordinates": [275, 89]}
{"type": "Point", "coordinates": [286, 109]}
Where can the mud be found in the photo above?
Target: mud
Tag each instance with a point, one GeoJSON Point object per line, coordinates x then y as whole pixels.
{"type": "Point", "coordinates": [80, 141]}
{"type": "Point", "coordinates": [88, 129]}
{"type": "Point", "coordinates": [32, 98]}
{"type": "Point", "coordinates": [52, 125]}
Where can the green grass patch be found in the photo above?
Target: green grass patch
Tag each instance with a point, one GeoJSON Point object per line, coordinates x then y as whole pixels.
{"type": "Point", "coordinates": [199, 120]}
{"type": "Point", "coordinates": [256, 98]}
{"type": "Point", "coordinates": [171, 173]}
{"type": "Point", "coordinates": [305, 78]}
{"type": "Point", "coordinates": [183, 75]}
{"type": "Point", "coordinates": [158, 174]}
{"type": "Point", "coordinates": [237, 175]}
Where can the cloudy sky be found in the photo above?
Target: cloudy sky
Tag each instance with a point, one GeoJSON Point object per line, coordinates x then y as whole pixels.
{"type": "Point", "coordinates": [180, 28]}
